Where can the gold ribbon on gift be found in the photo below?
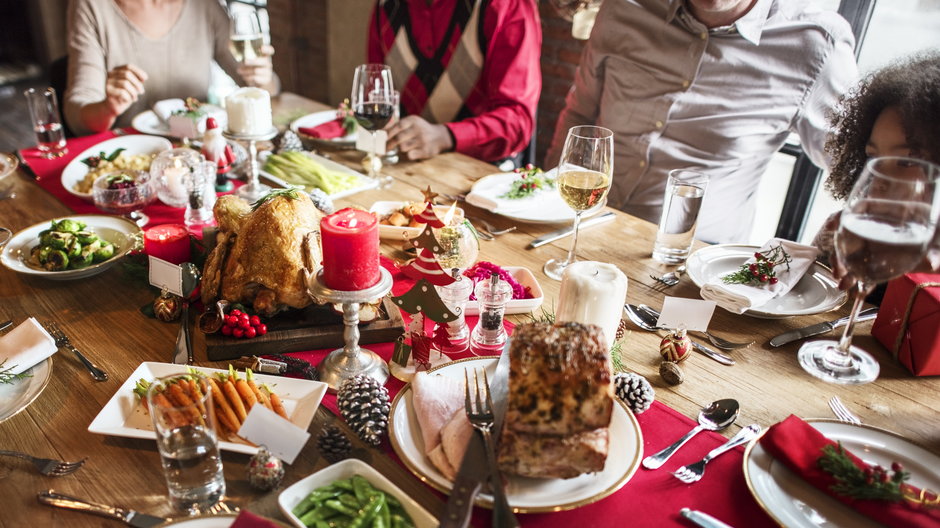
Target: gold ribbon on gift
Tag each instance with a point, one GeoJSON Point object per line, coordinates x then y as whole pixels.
{"type": "Point", "coordinates": [907, 315]}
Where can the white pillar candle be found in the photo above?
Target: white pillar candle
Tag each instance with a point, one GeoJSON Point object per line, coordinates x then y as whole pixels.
{"type": "Point", "coordinates": [593, 293]}
{"type": "Point", "coordinates": [249, 111]}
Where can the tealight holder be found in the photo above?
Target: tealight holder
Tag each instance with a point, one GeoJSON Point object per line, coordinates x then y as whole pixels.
{"type": "Point", "coordinates": [254, 189]}
{"type": "Point", "coordinates": [171, 170]}
{"type": "Point", "coordinates": [351, 360]}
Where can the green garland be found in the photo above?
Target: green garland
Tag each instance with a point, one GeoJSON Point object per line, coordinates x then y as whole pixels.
{"type": "Point", "coordinates": [7, 376]}
{"type": "Point", "coordinates": [871, 483]}
{"type": "Point", "coordinates": [763, 270]}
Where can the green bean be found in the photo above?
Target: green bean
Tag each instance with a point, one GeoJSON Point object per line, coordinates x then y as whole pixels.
{"type": "Point", "coordinates": [350, 500]}
{"type": "Point", "coordinates": [305, 505]}
{"type": "Point", "coordinates": [361, 487]}
{"type": "Point", "coordinates": [340, 507]}
{"type": "Point", "coordinates": [368, 512]}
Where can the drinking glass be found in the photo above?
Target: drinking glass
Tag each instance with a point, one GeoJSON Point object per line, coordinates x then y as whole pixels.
{"type": "Point", "coordinates": [44, 111]}
{"type": "Point", "coordinates": [373, 105]}
{"type": "Point", "coordinates": [584, 173]}
{"type": "Point", "coordinates": [246, 38]}
{"type": "Point", "coordinates": [685, 190]}
{"type": "Point", "coordinates": [188, 442]}
{"type": "Point", "coordinates": [884, 229]}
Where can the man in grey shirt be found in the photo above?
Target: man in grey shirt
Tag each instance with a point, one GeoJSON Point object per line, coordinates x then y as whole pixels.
{"type": "Point", "coordinates": [713, 84]}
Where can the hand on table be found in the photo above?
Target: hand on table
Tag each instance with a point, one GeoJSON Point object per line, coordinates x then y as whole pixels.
{"type": "Point", "coordinates": [417, 139]}
{"type": "Point", "coordinates": [260, 70]}
{"type": "Point", "coordinates": [123, 86]}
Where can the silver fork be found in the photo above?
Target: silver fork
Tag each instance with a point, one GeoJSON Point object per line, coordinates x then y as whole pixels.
{"type": "Point", "coordinates": [48, 466]}
{"type": "Point", "coordinates": [842, 412]}
{"type": "Point", "coordinates": [62, 340]}
{"type": "Point", "coordinates": [480, 413]}
{"type": "Point", "coordinates": [694, 472]}
{"type": "Point", "coordinates": [669, 279]}
{"type": "Point", "coordinates": [490, 228]}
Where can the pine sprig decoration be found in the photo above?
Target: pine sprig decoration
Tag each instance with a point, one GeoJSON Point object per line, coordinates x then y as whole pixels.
{"type": "Point", "coordinates": [871, 483]}
{"type": "Point", "coordinates": [531, 180]}
{"type": "Point", "coordinates": [7, 376]}
{"type": "Point", "coordinates": [287, 193]}
{"type": "Point", "coordinates": [763, 270]}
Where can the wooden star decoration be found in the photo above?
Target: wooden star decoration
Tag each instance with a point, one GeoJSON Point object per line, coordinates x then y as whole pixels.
{"type": "Point", "coordinates": [429, 195]}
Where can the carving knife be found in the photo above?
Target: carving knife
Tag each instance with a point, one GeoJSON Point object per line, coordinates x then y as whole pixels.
{"type": "Point", "coordinates": [131, 517]}
{"type": "Point", "coordinates": [25, 166]}
{"type": "Point", "coordinates": [562, 233]}
{"type": "Point", "coordinates": [821, 328]}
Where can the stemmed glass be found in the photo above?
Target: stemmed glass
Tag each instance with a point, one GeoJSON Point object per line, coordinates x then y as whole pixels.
{"type": "Point", "coordinates": [884, 229]}
{"type": "Point", "coordinates": [584, 173]}
{"type": "Point", "coordinates": [373, 105]}
{"type": "Point", "coordinates": [246, 38]}
{"type": "Point", "coordinates": [125, 192]}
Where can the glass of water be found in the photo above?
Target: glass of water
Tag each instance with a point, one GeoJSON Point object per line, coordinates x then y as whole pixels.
{"type": "Point", "coordinates": [184, 421]}
{"type": "Point", "coordinates": [44, 110]}
{"type": "Point", "coordinates": [685, 190]}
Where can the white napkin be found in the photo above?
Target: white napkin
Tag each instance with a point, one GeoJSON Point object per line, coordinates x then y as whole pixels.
{"type": "Point", "coordinates": [165, 107]}
{"type": "Point", "coordinates": [739, 298]}
{"type": "Point", "coordinates": [25, 346]}
{"type": "Point", "coordinates": [482, 202]}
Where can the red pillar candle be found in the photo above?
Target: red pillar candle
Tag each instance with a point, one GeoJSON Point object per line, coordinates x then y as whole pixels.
{"type": "Point", "coordinates": [350, 240]}
{"type": "Point", "coordinates": [169, 242]}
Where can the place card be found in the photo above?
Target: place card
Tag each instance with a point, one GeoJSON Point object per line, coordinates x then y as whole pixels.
{"type": "Point", "coordinates": [282, 438]}
{"type": "Point", "coordinates": [166, 276]}
{"type": "Point", "coordinates": [364, 141]}
{"type": "Point", "coordinates": [694, 314]}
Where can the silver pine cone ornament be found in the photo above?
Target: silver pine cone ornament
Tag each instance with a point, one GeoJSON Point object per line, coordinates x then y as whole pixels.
{"type": "Point", "coordinates": [364, 404]}
{"type": "Point", "coordinates": [635, 391]}
{"type": "Point", "coordinates": [333, 444]}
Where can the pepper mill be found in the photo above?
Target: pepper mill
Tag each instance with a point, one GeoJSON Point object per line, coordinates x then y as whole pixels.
{"type": "Point", "coordinates": [488, 335]}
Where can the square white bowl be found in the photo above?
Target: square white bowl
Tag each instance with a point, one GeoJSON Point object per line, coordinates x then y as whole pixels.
{"type": "Point", "coordinates": [291, 497]}
{"type": "Point", "coordinates": [516, 306]}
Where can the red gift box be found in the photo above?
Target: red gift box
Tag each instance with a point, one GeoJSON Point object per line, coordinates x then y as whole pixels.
{"type": "Point", "coordinates": [908, 322]}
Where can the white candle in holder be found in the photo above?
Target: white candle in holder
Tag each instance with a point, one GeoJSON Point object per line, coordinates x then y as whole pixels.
{"type": "Point", "coordinates": [593, 293]}
{"type": "Point", "coordinates": [249, 112]}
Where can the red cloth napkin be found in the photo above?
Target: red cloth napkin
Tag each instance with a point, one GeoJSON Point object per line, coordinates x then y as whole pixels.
{"type": "Point", "coordinates": [799, 445]}
{"type": "Point", "coordinates": [329, 130]}
{"type": "Point", "coordinates": [246, 519]}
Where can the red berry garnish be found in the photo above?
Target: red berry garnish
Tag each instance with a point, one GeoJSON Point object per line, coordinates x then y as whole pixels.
{"type": "Point", "coordinates": [763, 277]}
{"type": "Point", "coordinates": [244, 325]}
{"type": "Point", "coordinates": [758, 256]}
{"type": "Point", "coordinates": [752, 267]}
{"type": "Point", "coordinates": [227, 330]}
{"type": "Point", "coordinates": [774, 280]}
{"type": "Point", "coordinates": [236, 313]}
{"type": "Point", "coordinates": [884, 477]}
{"type": "Point", "coordinates": [261, 329]}
{"type": "Point", "coordinates": [238, 332]}
{"type": "Point", "coordinates": [231, 320]}
{"type": "Point", "coordinates": [254, 320]}
{"type": "Point", "coordinates": [897, 467]}
{"type": "Point", "coordinates": [250, 332]}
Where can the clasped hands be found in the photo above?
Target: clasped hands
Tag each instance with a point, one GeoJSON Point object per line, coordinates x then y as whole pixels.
{"type": "Point", "coordinates": [418, 139]}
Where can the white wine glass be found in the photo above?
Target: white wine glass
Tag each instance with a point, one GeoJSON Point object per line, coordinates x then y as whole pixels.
{"type": "Point", "coordinates": [884, 231]}
{"type": "Point", "coordinates": [584, 174]}
{"type": "Point", "coordinates": [246, 38]}
{"type": "Point", "coordinates": [373, 105]}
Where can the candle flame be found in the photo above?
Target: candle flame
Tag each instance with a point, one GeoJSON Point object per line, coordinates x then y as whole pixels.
{"type": "Point", "coordinates": [450, 214]}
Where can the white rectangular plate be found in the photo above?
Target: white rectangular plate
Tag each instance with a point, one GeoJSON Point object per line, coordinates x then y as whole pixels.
{"type": "Point", "coordinates": [124, 416]}
{"type": "Point", "coordinates": [365, 182]}
{"type": "Point", "coordinates": [291, 497]}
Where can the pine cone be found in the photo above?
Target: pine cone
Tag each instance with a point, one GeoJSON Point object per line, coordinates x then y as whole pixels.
{"type": "Point", "coordinates": [322, 201]}
{"type": "Point", "coordinates": [290, 142]}
{"type": "Point", "coordinates": [635, 391]}
{"type": "Point", "coordinates": [333, 444]}
{"type": "Point", "coordinates": [364, 404]}
{"type": "Point", "coordinates": [621, 330]}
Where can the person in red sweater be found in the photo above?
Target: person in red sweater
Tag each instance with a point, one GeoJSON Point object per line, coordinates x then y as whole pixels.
{"type": "Point", "coordinates": [468, 72]}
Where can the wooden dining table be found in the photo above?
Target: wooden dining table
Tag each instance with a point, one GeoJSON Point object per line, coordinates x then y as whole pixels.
{"type": "Point", "coordinates": [101, 315]}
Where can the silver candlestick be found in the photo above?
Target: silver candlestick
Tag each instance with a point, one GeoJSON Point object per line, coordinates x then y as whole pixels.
{"type": "Point", "coordinates": [351, 360]}
{"type": "Point", "coordinates": [253, 190]}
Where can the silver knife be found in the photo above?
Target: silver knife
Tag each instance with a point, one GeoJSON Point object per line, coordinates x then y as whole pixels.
{"type": "Point", "coordinates": [821, 328]}
{"type": "Point", "coordinates": [702, 519]}
{"type": "Point", "coordinates": [562, 233]}
{"type": "Point", "coordinates": [131, 517]}
{"type": "Point", "coordinates": [25, 166]}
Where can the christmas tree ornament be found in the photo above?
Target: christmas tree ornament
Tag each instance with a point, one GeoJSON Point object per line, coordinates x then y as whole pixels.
{"type": "Point", "coordinates": [676, 346]}
{"type": "Point", "coordinates": [333, 444]}
{"type": "Point", "coordinates": [364, 404]}
{"type": "Point", "coordinates": [635, 391]}
{"type": "Point", "coordinates": [265, 471]}
{"type": "Point", "coordinates": [425, 266]}
{"type": "Point", "coordinates": [167, 307]}
{"type": "Point", "coordinates": [488, 335]}
{"type": "Point", "coordinates": [671, 373]}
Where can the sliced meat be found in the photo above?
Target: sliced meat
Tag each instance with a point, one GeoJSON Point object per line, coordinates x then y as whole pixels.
{"type": "Point", "coordinates": [455, 436]}
{"type": "Point", "coordinates": [435, 399]}
{"type": "Point", "coordinates": [439, 459]}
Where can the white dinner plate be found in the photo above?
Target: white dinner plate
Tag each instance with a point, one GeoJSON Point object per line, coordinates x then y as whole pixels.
{"type": "Point", "coordinates": [16, 396]}
{"type": "Point", "coordinates": [123, 233]}
{"type": "Point", "coordinates": [291, 497]}
{"type": "Point", "coordinates": [516, 306]}
{"type": "Point", "coordinates": [365, 183]}
{"type": "Point", "coordinates": [543, 207]}
{"type": "Point", "coordinates": [75, 171]}
{"type": "Point", "coordinates": [147, 121]}
{"type": "Point", "coordinates": [794, 503]}
{"type": "Point", "coordinates": [222, 520]}
{"type": "Point", "coordinates": [526, 495]}
{"type": "Point", "coordinates": [316, 119]}
{"type": "Point", "coordinates": [124, 416]}
{"type": "Point", "coordinates": [817, 292]}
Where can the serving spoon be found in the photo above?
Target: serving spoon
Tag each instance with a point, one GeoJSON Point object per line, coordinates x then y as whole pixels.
{"type": "Point", "coordinates": [714, 417]}
{"type": "Point", "coordinates": [646, 322]}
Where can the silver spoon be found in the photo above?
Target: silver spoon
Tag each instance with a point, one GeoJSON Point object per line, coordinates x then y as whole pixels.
{"type": "Point", "coordinates": [716, 416]}
{"type": "Point", "coordinates": [645, 321]}
{"type": "Point", "coordinates": [719, 342]}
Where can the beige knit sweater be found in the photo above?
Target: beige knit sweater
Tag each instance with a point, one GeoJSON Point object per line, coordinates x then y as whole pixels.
{"type": "Point", "coordinates": [100, 38]}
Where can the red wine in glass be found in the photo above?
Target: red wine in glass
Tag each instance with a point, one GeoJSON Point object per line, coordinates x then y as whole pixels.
{"type": "Point", "coordinates": [374, 116]}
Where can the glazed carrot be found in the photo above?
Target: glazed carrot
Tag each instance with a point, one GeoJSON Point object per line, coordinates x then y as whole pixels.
{"type": "Point", "coordinates": [276, 404]}
{"type": "Point", "coordinates": [222, 407]}
{"type": "Point", "coordinates": [259, 394]}
{"type": "Point", "coordinates": [173, 418]}
{"type": "Point", "coordinates": [245, 392]}
{"type": "Point", "coordinates": [176, 391]}
{"type": "Point", "coordinates": [196, 394]}
{"type": "Point", "coordinates": [228, 386]}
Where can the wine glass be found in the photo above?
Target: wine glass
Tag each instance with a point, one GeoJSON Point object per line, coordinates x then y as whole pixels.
{"type": "Point", "coordinates": [884, 230]}
{"type": "Point", "coordinates": [246, 38]}
{"type": "Point", "coordinates": [584, 173]}
{"type": "Point", "coordinates": [373, 105]}
{"type": "Point", "coordinates": [125, 192]}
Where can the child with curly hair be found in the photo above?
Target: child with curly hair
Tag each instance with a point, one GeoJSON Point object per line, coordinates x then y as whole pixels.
{"type": "Point", "coordinates": [894, 111]}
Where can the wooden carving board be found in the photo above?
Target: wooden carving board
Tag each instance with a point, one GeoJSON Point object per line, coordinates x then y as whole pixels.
{"type": "Point", "coordinates": [314, 327]}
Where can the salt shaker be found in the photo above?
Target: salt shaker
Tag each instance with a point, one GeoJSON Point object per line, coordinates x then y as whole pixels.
{"type": "Point", "coordinates": [201, 189]}
{"type": "Point", "coordinates": [489, 335]}
{"type": "Point", "coordinates": [454, 337]}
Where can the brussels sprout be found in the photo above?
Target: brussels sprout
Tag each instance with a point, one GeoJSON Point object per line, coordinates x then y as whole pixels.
{"type": "Point", "coordinates": [60, 240]}
{"type": "Point", "coordinates": [34, 255]}
{"type": "Point", "coordinates": [73, 249]}
{"type": "Point", "coordinates": [44, 253]}
{"type": "Point", "coordinates": [86, 237]}
{"type": "Point", "coordinates": [69, 225]}
{"type": "Point", "coordinates": [87, 256]}
{"type": "Point", "coordinates": [44, 237]}
{"type": "Point", "coordinates": [56, 260]}
{"type": "Point", "coordinates": [105, 252]}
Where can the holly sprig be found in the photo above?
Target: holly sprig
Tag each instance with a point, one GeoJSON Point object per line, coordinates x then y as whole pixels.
{"type": "Point", "coordinates": [531, 180]}
{"type": "Point", "coordinates": [345, 112]}
{"type": "Point", "coordinates": [871, 482]}
{"type": "Point", "coordinates": [7, 376]}
{"type": "Point", "coordinates": [764, 268]}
